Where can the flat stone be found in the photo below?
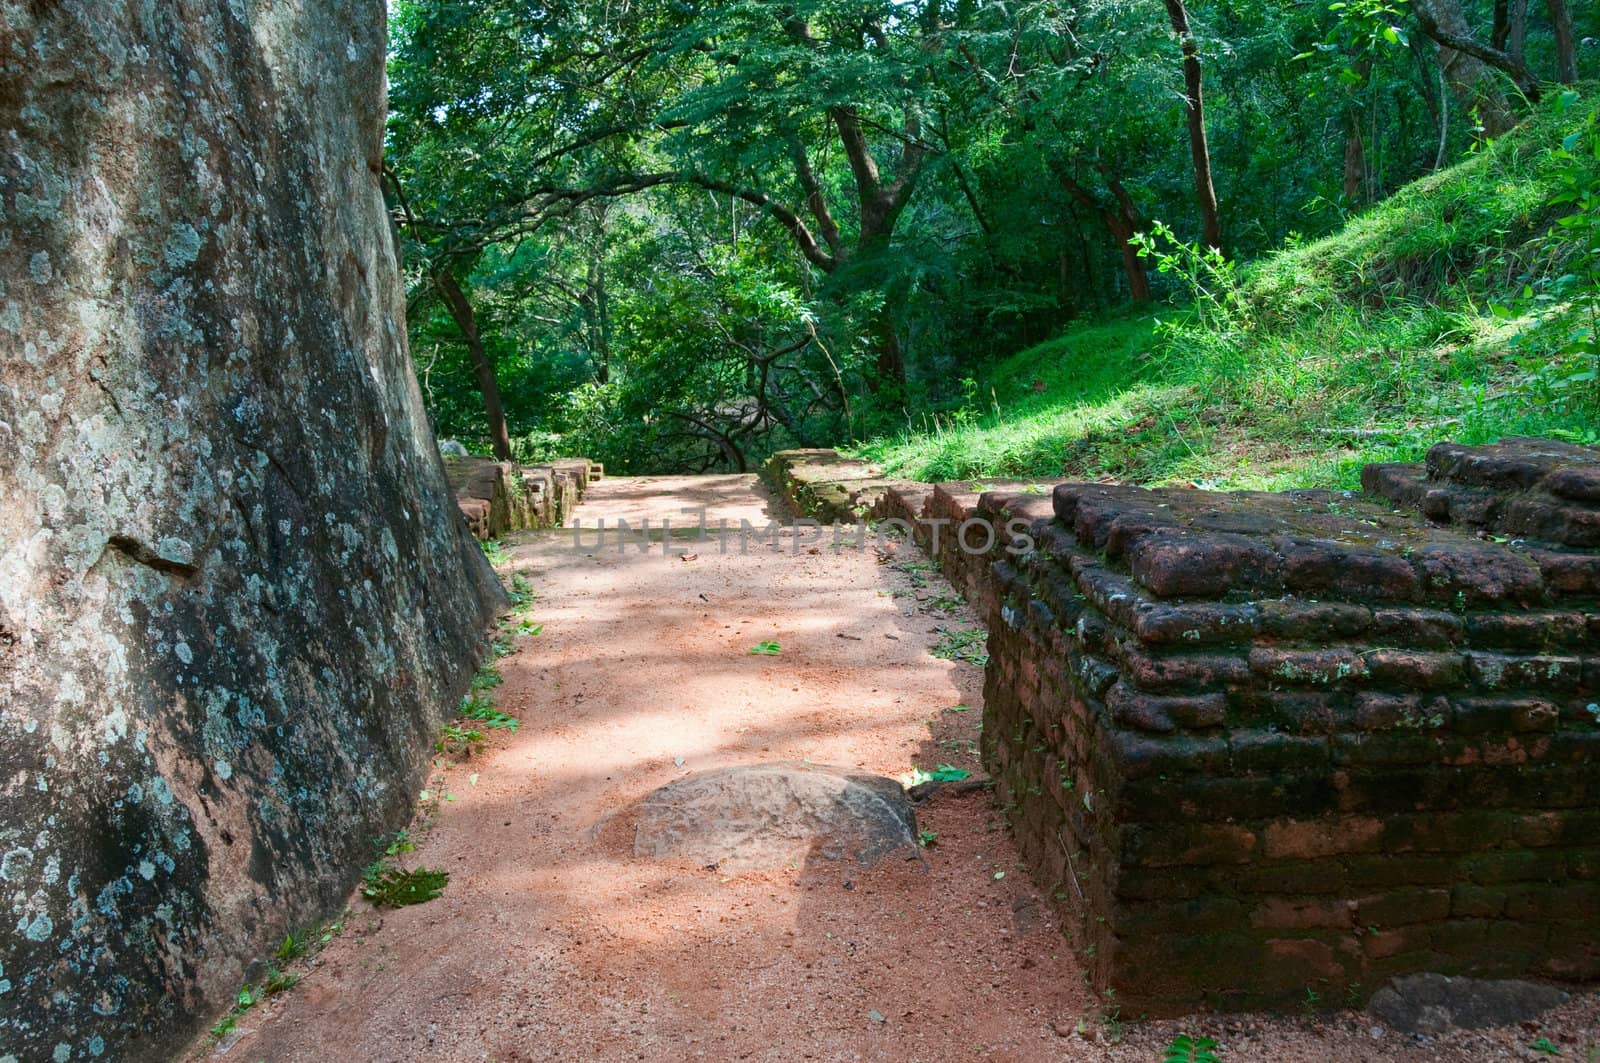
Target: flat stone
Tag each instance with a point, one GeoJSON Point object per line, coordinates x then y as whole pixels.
{"type": "Point", "coordinates": [761, 816]}
{"type": "Point", "coordinates": [1428, 1003]}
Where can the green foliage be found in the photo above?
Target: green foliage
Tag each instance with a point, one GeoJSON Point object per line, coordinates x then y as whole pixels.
{"type": "Point", "coordinates": [766, 649]}
{"type": "Point", "coordinates": [1185, 1048]}
{"type": "Point", "coordinates": [1368, 345]}
{"type": "Point", "coordinates": [394, 887]}
{"type": "Point", "coordinates": [962, 645]}
{"type": "Point", "coordinates": [489, 716]}
{"type": "Point", "coordinates": [457, 740]}
{"type": "Point", "coordinates": [292, 948]}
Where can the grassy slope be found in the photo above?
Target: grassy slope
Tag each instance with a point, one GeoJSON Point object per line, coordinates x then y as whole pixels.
{"type": "Point", "coordinates": [1365, 346]}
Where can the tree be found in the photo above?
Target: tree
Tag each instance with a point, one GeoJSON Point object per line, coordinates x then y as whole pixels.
{"type": "Point", "coordinates": [1194, 111]}
{"type": "Point", "coordinates": [1462, 59]}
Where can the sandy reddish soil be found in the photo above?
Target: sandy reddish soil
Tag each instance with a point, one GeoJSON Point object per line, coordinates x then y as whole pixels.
{"type": "Point", "coordinates": [553, 942]}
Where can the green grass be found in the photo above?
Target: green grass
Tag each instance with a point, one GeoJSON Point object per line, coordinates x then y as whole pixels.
{"type": "Point", "coordinates": [1368, 345]}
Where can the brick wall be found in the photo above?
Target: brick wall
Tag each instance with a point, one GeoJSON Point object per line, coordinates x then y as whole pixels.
{"type": "Point", "coordinates": [495, 497]}
{"type": "Point", "coordinates": [1256, 744]}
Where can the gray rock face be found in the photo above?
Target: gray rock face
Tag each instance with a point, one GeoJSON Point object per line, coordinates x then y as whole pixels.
{"type": "Point", "coordinates": [235, 595]}
{"type": "Point", "coordinates": [1427, 1003]}
{"type": "Point", "coordinates": [770, 815]}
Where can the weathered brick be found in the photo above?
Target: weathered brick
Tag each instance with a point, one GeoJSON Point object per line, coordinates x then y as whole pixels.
{"type": "Point", "coordinates": [1308, 666]}
{"type": "Point", "coordinates": [1415, 669]}
{"type": "Point", "coordinates": [1319, 567]}
{"type": "Point", "coordinates": [1175, 564]}
{"type": "Point", "coordinates": [1311, 839]}
{"type": "Point", "coordinates": [1135, 755]}
{"type": "Point", "coordinates": [1295, 877]}
{"type": "Point", "coordinates": [1478, 575]}
{"type": "Point", "coordinates": [1188, 845]}
{"type": "Point", "coordinates": [1403, 907]}
{"type": "Point", "coordinates": [1194, 623]}
{"type": "Point", "coordinates": [1500, 715]}
{"type": "Point", "coordinates": [1387, 748]}
{"type": "Point", "coordinates": [1498, 671]}
{"type": "Point", "coordinates": [1568, 573]}
{"type": "Point", "coordinates": [1400, 869]}
{"type": "Point", "coordinates": [1310, 712]}
{"type": "Point", "coordinates": [1422, 628]}
{"type": "Point", "coordinates": [1268, 751]}
{"type": "Point", "coordinates": [1527, 631]}
{"type": "Point", "coordinates": [1182, 673]}
{"type": "Point", "coordinates": [1302, 913]}
{"type": "Point", "coordinates": [1295, 618]}
{"type": "Point", "coordinates": [1385, 712]}
{"type": "Point", "coordinates": [1154, 712]}
{"type": "Point", "coordinates": [1514, 865]}
{"type": "Point", "coordinates": [1470, 901]}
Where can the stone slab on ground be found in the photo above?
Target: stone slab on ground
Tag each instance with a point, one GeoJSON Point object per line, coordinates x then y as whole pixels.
{"type": "Point", "coordinates": [761, 816]}
{"type": "Point", "coordinates": [1429, 1003]}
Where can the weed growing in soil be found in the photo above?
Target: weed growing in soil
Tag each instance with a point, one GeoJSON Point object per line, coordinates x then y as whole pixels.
{"type": "Point", "coordinates": [1187, 1049]}
{"type": "Point", "coordinates": [395, 887]}
{"type": "Point", "coordinates": [962, 645]}
{"type": "Point", "coordinates": [481, 711]}
{"type": "Point", "coordinates": [455, 739]}
{"type": "Point", "coordinates": [766, 649]}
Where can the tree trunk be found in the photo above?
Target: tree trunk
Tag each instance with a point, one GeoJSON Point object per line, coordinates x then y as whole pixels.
{"type": "Point", "coordinates": [1516, 42]}
{"type": "Point", "coordinates": [1355, 153]}
{"type": "Point", "coordinates": [1121, 222]}
{"type": "Point", "coordinates": [1469, 78]}
{"type": "Point", "coordinates": [1194, 107]}
{"type": "Point", "coordinates": [1355, 158]}
{"type": "Point", "coordinates": [1566, 53]}
{"type": "Point", "coordinates": [597, 312]}
{"type": "Point", "coordinates": [461, 311]}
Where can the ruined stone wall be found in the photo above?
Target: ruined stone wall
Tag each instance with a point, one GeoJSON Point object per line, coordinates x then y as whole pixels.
{"type": "Point", "coordinates": [235, 597]}
{"type": "Point", "coordinates": [1260, 744]}
{"type": "Point", "coordinates": [496, 497]}
{"type": "Point", "coordinates": [1256, 744]}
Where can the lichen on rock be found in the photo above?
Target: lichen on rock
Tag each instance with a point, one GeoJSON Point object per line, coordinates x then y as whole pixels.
{"type": "Point", "coordinates": [235, 593]}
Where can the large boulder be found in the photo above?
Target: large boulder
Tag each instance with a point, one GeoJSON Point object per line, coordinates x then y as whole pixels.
{"type": "Point", "coordinates": [235, 595]}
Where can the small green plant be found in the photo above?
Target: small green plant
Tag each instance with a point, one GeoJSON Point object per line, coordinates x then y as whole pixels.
{"type": "Point", "coordinates": [1547, 1046]}
{"type": "Point", "coordinates": [224, 1026]}
{"type": "Point", "coordinates": [291, 948]}
{"type": "Point", "coordinates": [481, 711]}
{"type": "Point", "coordinates": [942, 773]}
{"type": "Point", "coordinates": [456, 739]}
{"type": "Point", "coordinates": [1311, 1001]}
{"type": "Point", "coordinates": [945, 603]}
{"type": "Point", "coordinates": [279, 981]}
{"type": "Point", "coordinates": [401, 843]}
{"type": "Point", "coordinates": [1187, 1049]}
{"type": "Point", "coordinates": [502, 647]}
{"type": "Point", "coordinates": [494, 550]}
{"type": "Point", "coordinates": [395, 887]}
{"type": "Point", "coordinates": [488, 677]}
{"type": "Point", "coordinates": [766, 649]}
{"type": "Point", "coordinates": [962, 645]}
{"type": "Point", "coordinates": [959, 708]}
{"type": "Point", "coordinates": [1220, 306]}
{"type": "Point", "coordinates": [527, 628]}
{"type": "Point", "coordinates": [927, 838]}
{"type": "Point", "coordinates": [521, 591]}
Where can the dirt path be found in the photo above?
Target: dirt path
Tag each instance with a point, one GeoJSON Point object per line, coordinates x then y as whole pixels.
{"type": "Point", "coordinates": [553, 942]}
